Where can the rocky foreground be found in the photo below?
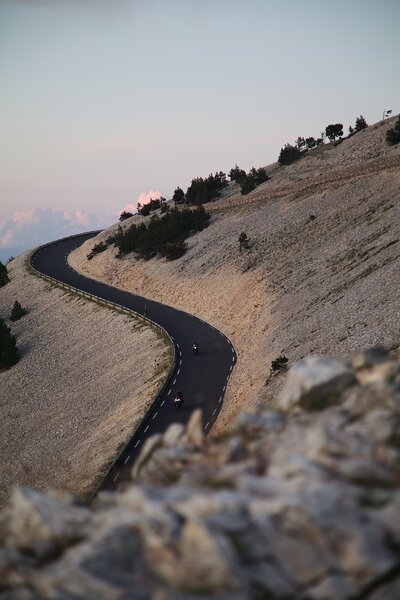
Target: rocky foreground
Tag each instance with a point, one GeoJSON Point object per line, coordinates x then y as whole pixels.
{"type": "Point", "coordinates": [298, 502]}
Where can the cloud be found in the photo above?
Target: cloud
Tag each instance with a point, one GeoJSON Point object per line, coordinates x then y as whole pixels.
{"type": "Point", "coordinates": [143, 198]}
{"type": "Point", "coordinates": [34, 226]}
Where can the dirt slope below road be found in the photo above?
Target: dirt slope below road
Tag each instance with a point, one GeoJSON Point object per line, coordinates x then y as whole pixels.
{"type": "Point", "coordinates": [327, 285]}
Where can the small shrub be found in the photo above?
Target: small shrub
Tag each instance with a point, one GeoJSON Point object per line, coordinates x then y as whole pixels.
{"type": "Point", "coordinates": [361, 123]}
{"type": "Point", "coordinates": [393, 134]}
{"type": "Point", "coordinates": [279, 363]}
{"type": "Point", "coordinates": [8, 348]}
{"type": "Point", "coordinates": [288, 155]}
{"type": "Point", "coordinates": [17, 311]}
{"type": "Point", "coordinates": [3, 275]}
{"type": "Point", "coordinates": [244, 241]}
{"type": "Point", "coordinates": [125, 215]}
{"type": "Point", "coordinates": [247, 185]}
{"type": "Point", "coordinates": [100, 247]}
{"type": "Point", "coordinates": [174, 250]}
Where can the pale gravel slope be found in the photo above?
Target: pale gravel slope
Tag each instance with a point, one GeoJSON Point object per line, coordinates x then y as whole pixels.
{"type": "Point", "coordinates": [322, 286]}
{"type": "Point", "coordinates": [86, 376]}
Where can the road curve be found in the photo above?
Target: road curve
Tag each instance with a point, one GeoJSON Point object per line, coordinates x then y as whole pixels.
{"type": "Point", "coordinates": [202, 379]}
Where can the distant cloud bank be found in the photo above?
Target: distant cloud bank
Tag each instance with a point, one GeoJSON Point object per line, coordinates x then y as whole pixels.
{"type": "Point", "coordinates": [31, 227]}
{"type": "Point", "coordinates": [34, 226]}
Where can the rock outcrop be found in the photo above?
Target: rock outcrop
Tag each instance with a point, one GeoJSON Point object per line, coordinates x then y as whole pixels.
{"type": "Point", "coordinates": [302, 501]}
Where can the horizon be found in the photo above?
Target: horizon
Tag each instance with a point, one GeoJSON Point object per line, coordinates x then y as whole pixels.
{"type": "Point", "coordinates": [107, 103]}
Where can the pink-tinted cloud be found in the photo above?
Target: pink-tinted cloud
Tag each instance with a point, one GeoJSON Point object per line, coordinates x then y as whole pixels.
{"type": "Point", "coordinates": [143, 198]}
{"type": "Point", "coordinates": [35, 226]}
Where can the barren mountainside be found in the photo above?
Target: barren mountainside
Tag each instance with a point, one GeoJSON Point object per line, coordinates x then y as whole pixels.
{"type": "Point", "coordinates": [318, 278]}
{"type": "Point", "coordinates": [295, 494]}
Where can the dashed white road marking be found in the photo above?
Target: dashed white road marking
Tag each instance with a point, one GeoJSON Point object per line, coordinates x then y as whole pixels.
{"type": "Point", "coordinates": [137, 443]}
{"type": "Point", "coordinates": [214, 411]}
{"type": "Point", "coordinates": [220, 400]}
{"type": "Point", "coordinates": [207, 424]}
{"type": "Point", "coordinates": [163, 402]}
{"type": "Point", "coordinates": [233, 352]}
{"type": "Point", "coordinates": [231, 368]}
{"type": "Point", "coordinates": [233, 359]}
{"type": "Point", "coordinates": [116, 477]}
{"type": "Point", "coordinates": [154, 416]}
{"type": "Point", "coordinates": [178, 371]}
{"type": "Point", "coordinates": [224, 388]}
{"type": "Point", "coordinates": [180, 362]}
{"type": "Point", "coordinates": [146, 428]}
{"type": "Point", "coordinates": [174, 381]}
{"type": "Point", "coordinates": [169, 391]}
{"type": "Point", "coordinates": [126, 460]}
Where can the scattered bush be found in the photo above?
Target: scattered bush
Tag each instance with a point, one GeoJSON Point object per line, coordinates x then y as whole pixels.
{"type": "Point", "coordinates": [202, 190]}
{"type": "Point", "coordinates": [100, 247]}
{"type": "Point", "coordinates": [279, 363]}
{"type": "Point", "coordinates": [174, 250]}
{"type": "Point", "coordinates": [311, 142]}
{"type": "Point", "coordinates": [361, 123]}
{"type": "Point", "coordinates": [8, 348]}
{"type": "Point", "coordinates": [244, 241]}
{"type": "Point", "coordinates": [125, 215]}
{"type": "Point", "coordinates": [178, 196]}
{"type": "Point", "coordinates": [237, 175]}
{"type": "Point", "coordinates": [393, 134]}
{"type": "Point", "coordinates": [146, 209]}
{"type": "Point", "coordinates": [248, 181]}
{"type": "Point", "coordinates": [3, 275]}
{"type": "Point", "coordinates": [17, 311]}
{"type": "Point", "coordinates": [289, 154]}
{"type": "Point", "coordinates": [10, 259]}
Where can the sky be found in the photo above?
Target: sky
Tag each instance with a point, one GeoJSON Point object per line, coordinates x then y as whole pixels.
{"type": "Point", "coordinates": [105, 103]}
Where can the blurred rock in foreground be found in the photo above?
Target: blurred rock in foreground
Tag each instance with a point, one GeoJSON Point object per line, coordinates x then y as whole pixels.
{"type": "Point", "coordinates": [298, 502]}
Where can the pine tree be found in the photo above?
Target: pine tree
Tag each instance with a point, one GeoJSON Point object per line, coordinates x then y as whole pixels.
{"type": "Point", "coordinates": [3, 275]}
{"type": "Point", "coordinates": [17, 311]}
{"type": "Point", "coordinates": [8, 348]}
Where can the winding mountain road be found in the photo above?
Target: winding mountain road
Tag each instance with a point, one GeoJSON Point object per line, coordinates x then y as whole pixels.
{"type": "Point", "coordinates": [202, 378]}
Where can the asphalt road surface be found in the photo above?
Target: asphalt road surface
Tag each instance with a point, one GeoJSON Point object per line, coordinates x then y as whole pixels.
{"type": "Point", "coordinates": [201, 378]}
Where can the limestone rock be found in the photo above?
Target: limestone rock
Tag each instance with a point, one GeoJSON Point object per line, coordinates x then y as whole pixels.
{"type": "Point", "coordinates": [297, 505]}
{"type": "Point", "coordinates": [316, 382]}
{"type": "Point", "coordinates": [43, 523]}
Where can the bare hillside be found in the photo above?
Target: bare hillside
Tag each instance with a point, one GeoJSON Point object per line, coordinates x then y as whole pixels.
{"type": "Point", "coordinates": [85, 378]}
{"type": "Point", "coordinates": [307, 285]}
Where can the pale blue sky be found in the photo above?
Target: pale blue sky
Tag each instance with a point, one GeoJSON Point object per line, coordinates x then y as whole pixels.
{"type": "Point", "coordinates": [103, 100]}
